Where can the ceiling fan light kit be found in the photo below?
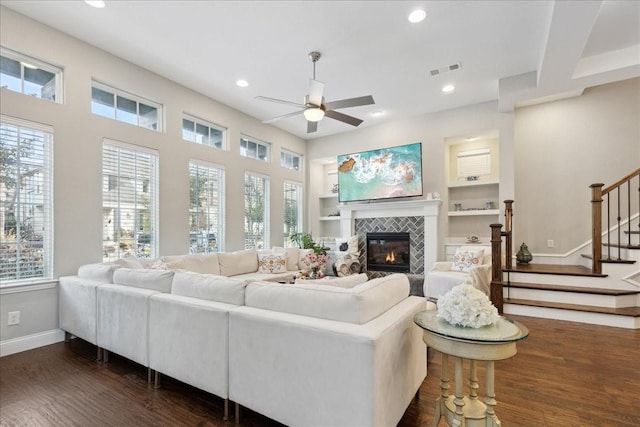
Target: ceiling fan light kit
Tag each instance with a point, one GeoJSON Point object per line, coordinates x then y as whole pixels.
{"type": "Point", "coordinates": [315, 109]}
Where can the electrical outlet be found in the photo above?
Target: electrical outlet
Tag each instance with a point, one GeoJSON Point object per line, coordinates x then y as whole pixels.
{"type": "Point", "coordinates": [14, 318]}
{"type": "Point", "coordinates": [549, 243]}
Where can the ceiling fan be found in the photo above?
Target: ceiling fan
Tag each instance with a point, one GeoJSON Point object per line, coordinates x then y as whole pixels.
{"type": "Point", "coordinates": [314, 108]}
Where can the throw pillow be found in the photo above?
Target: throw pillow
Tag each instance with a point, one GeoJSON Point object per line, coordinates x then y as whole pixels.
{"type": "Point", "coordinates": [348, 244]}
{"type": "Point", "coordinates": [272, 263]}
{"type": "Point", "coordinates": [129, 261]}
{"type": "Point", "coordinates": [463, 260]}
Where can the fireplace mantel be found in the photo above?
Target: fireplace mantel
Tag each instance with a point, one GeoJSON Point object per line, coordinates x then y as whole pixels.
{"type": "Point", "coordinates": [428, 208]}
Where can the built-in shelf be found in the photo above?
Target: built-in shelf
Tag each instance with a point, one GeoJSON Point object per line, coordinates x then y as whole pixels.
{"type": "Point", "coordinates": [473, 183]}
{"type": "Point", "coordinates": [329, 218]}
{"type": "Point", "coordinates": [475, 212]}
{"type": "Point", "coordinates": [329, 196]}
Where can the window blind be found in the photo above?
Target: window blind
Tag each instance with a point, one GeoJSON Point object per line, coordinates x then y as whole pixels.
{"type": "Point", "coordinates": [256, 211]}
{"type": "Point", "coordinates": [206, 208]}
{"type": "Point", "coordinates": [292, 210]}
{"type": "Point", "coordinates": [26, 208]}
{"type": "Point", "coordinates": [129, 201]}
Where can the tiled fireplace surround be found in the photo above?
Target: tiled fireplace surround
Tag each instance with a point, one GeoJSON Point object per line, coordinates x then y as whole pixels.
{"type": "Point", "coordinates": [419, 218]}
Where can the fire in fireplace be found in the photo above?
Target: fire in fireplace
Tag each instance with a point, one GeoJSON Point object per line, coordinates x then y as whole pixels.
{"type": "Point", "coordinates": [388, 252]}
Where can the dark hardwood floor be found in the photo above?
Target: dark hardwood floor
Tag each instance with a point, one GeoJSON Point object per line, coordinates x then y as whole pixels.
{"type": "Point", "coordinates": [565, 374]}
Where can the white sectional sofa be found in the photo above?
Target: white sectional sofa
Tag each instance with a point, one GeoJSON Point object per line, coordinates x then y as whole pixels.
{"type": "Point", "coordinates": [340, 352]}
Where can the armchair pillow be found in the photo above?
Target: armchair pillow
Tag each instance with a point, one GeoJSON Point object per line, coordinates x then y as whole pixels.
{"type": "Point", "coordinates": [465, 259]}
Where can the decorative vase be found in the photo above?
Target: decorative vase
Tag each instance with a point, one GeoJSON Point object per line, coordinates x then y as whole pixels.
{"type": "Point", "coordinates": [523, 256]}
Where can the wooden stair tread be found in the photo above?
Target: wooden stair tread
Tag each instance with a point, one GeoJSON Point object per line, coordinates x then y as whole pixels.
{"type": "Point", "coordinates": [621, 311]}
{"type": "Point", "coordinates": [622, 246]}
{"type": "Point", "coordinates": [567, 270]}
{"type": "Point", "coordinates": [576, 289]}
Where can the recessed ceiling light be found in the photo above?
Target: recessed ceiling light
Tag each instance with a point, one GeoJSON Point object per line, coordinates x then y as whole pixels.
{"type": "Point", "coordinates": [417, 16]}
{"type": "Point", "coordinates": [99, 4]}
{"type": "Point", "coordinates": [377, 113]}
{"type": "Point", "coordinates": [448, 88]}
{"type": "Point", "coordinates": [242, 83]}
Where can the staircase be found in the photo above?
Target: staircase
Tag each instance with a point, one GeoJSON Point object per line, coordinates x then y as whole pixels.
{"type": "Point", "coordinates": [572, 286]}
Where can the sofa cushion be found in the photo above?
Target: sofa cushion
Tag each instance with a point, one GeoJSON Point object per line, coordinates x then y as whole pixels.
{"type": "Point", "coordinates": [357, 305]}
{"type": "Point", "coordinates": [291, 254]}
{"type": "Point", "coordinates": [209, 287]}
{"type": "Point", "coordinates": [205, 264]}
{"type": "Point", "coordinates": [102, 272]}
{"type": "Point", "coordinates": [239, 262]}
{"type": "Point", "coordinates": [157, 280]}
{"type": "Point", "coordinates": [342, 282]}
{"type": "Point", "coordinates": [270, 262]}
{"type": "Point", "coordinates": [129, 261]}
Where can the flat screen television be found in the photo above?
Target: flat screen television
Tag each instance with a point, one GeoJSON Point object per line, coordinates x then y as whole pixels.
{"type": "Point", "coordinates": [386, 173]}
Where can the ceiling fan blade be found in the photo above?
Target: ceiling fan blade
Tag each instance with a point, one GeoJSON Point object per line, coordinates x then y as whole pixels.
{"type": "Point", "coordinates": [316, 88]}
{"type": "Point", "coordinates": [284, 116]}
{"type": "Point", "coordinates": [353, 121]}
{"type": "Point", "coordinates": [312, 126]}
{"type": "Point", "coordinates": [280, 101]}
{"type": "Point", "coordinates": [351, 102]}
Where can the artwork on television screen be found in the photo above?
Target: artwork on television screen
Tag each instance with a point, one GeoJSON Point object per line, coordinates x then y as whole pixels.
{"type": "Point", "coordinates": [381, 174]}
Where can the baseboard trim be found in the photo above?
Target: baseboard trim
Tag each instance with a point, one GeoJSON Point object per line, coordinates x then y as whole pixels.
{"type": "Point", "coordinates": [29, 342]}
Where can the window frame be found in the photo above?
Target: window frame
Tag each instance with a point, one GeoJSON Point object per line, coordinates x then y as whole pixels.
{"type": "Point", "coordinates": [258, 144]}
{"type": "Point", "coordinates": [120, 93]}
{"type": "Point", "coordinates": [25, 61]}
{"type": "Point", "coordinates": [46, 189]}
{"type": "Point", "coordinates": [266, 232]}
{"type": "Point", "coordinates": [284, 153]}
{"type": "Point", "coordinates": [211, 126]}
{"type": "Point", "coordinates": [149, 186]}
{"type": "Point", "coordinates": [220, 231]}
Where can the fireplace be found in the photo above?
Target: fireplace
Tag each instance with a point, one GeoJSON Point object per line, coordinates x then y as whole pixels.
{"type": "Point", "coordinates": [388, 252]}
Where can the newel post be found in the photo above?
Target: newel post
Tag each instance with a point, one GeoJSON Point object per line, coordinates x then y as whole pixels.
{"type": "Point", "coordinates": [495, 292]}
{"type": "Point", "coordinates": [508, 245]}
{"type": "Point", "coordinates": [596, 227]}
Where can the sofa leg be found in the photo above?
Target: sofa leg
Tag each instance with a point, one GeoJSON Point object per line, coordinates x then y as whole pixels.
{"type": "Point", "coordinates": [105, 355]}
{"type": "Point", "coordinates": [237, 413]}
{"type": "Point", "coordinates": [225, 417]}
{"type": "Point", "coordinates": [99, 355]}
{"type": "Point", "coordinates": [150, 375]}
{"type": "Point", "coordinates": [67, 336]}
{"type": "Point", "coordinates": [417, 396]}
{"type": "Point", "coordinates": [157, 380]}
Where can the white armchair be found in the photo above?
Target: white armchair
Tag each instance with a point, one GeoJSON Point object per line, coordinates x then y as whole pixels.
{"type": "Point", "coordinates": [471, 265]}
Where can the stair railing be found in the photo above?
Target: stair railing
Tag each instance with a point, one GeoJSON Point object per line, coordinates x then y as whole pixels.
{"type": "Point", "coordinates": [614, 197]}
{"type": "Point", "coordinates": [496, 290]}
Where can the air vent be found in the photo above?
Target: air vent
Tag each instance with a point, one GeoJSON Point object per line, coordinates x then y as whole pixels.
{"type": "Point", "coordinates": [442, 70]}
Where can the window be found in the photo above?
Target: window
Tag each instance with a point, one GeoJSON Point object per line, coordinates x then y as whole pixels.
{"type": "Point", "coordinates": [26, 215]}
{"type": "Point", "coordinates": [30, 76]}
{"type": "Point", "coordinates": [125, 107]}
{"type": "Point", "coordinates": [202, 132]}
{"type": "Point", "coordinates": [290, 160]}
{"type": "Point", "coordinates": [292, 210]}
{"type": "Point", "coordinates": [256, 211]}
{"type": "Point", "coordinates": [206, 208]}
{"type": "Point", "coordinates": [255, 149]}
{"type": "Point", "coordinates": [129, 201]}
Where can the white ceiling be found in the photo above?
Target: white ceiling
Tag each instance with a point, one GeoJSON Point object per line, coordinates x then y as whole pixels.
{"type": "Point", "coordinates": [510, 51]}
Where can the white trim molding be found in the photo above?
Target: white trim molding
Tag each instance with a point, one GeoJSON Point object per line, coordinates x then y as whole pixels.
{"type": "Point", "coordinates": [29, 342]}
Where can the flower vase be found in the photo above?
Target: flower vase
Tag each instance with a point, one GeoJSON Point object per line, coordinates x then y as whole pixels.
{"type": "Point", "coordinates": [523, 256]}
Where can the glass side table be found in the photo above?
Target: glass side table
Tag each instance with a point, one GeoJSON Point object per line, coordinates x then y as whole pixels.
{"type": "Point", "coordinates": [486, 344]}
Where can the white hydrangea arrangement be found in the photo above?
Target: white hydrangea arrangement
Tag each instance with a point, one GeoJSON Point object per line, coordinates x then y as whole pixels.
{"type": "Point", "coordinates": [467, 306]}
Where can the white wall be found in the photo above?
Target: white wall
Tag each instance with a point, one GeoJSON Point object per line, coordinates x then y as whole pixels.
{"type": "Point", "coordinates": [78, 137]}
{"type": "Point", "coordinates": [563, 147]}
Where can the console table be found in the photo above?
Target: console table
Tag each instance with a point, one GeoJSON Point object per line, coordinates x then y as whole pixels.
{"type": "Point", "coordinates": [487, 344]}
